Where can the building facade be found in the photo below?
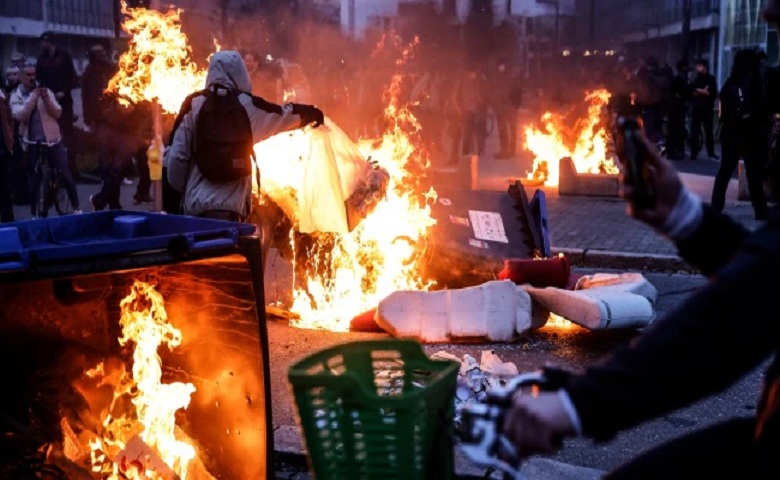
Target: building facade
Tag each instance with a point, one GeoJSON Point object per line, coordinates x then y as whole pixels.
{"type": "Point", "coordinates": [78, 23]}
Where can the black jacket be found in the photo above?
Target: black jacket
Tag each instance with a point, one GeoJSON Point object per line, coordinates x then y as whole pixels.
{"type": "Point", "coordinates": [705, 102]}
{"type": "Point", "coordinates": [720, 334]}
{"type": "Point", "coordinates": [57, 73]}
{"type": "Point", "coordinates": [94, 80]}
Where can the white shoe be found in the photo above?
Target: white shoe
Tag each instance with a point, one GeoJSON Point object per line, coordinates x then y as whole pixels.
{"type": "Point", "coordinates": [77, 212]}
{"type": "Point", "coordinates": [127, 181]}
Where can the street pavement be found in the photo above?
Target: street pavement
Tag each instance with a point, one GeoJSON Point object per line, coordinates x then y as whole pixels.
{"type": "Point", "coordinates": [579, 226]}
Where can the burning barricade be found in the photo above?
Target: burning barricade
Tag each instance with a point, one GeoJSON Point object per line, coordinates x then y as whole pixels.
{"type": "Point", "coordinates": [575, 154]}
{"type": "Point", "coordinates": [361, 221]}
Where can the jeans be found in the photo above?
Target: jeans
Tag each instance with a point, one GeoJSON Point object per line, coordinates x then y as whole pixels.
{"type": "Point", "coordinates": [58, 158]}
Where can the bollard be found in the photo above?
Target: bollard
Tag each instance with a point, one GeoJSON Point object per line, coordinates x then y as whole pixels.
{"type": "Point", "coordinates": [473, 165]}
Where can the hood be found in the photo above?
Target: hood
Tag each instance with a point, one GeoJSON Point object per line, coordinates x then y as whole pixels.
{"type": "Point", "coordinates": [227, 68]}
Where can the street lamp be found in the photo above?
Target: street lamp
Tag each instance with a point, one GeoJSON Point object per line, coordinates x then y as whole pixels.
{"type": "Point", "coordinates": [557, 17]}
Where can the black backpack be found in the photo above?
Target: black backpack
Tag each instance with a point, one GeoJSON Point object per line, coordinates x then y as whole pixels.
{"type": "Point", "coordinates": [222, 145]}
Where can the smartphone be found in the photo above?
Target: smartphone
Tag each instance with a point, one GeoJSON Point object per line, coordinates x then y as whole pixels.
{"type": "Point", "coordinates": [633, 155]}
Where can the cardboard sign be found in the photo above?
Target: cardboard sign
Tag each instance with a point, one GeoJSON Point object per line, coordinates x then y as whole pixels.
{"type": "Point", "coordinates": [488, 226]}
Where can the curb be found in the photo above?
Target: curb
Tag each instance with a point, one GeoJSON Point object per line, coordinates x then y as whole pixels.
{"type": "Point", "coordinates": [610, 259]}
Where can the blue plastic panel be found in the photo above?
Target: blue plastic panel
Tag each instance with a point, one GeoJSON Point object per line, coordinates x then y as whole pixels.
{"type": "Point", "coordinates": [109, 233]}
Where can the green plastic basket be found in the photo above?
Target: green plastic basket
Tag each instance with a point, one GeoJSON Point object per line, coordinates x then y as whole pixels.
{"type": "Point", "coordinates": [376, 409]}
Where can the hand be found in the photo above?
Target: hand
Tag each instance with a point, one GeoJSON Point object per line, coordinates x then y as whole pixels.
{"type": "Point", "coordinates": [667, 186]}
{"type": "Point", "coordinates": [310, 115]}
{"type": "Point", "coordinates": [536, 423]}
{"type": "Point", "coordinates": [41, 92]}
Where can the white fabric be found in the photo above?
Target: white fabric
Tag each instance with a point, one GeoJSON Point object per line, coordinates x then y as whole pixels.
{"type": "Point", "coordinates": [684, 218]}
{"type": "Point", "coordinates": [602, 301]}
{"type": "Point", "coordinates": [320, 167]}
{"type": "Point", "coordinates": [494, 311]}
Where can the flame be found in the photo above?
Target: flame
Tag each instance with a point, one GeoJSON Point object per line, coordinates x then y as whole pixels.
{"type": "Point", "coordinates": [586, 143]}
{"type": "Point", "coordinates": [350, 273]}
{"type": "Point", "coordinates": [144, 324]}
{"type": "Point", "coordinates": [157, 64]}
{"type": "Point", "coordinates": [557, 322]}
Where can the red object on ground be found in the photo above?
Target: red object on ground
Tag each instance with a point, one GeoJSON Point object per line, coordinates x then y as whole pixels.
{"type": "Point", "coordinates": [365, 322]}
{"type": "Point", "coordinates": [548, 272]}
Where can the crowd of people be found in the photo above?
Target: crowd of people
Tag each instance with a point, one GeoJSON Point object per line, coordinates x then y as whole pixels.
{"type": "Point", "coordinates": [39, 122]}
{"type": "Point", "coordinates": [680, 107]}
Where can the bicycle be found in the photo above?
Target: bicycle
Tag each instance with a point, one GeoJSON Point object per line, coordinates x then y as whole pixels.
{"type": "Point", "coordinates": [50, 186]}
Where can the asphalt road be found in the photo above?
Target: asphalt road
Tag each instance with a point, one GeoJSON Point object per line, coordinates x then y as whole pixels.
{"type": "Point", "coordinates": [575, 349]}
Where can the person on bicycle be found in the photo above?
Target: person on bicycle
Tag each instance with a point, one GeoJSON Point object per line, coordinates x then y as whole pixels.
{"type": "Point", "coordinates": [36, 109]}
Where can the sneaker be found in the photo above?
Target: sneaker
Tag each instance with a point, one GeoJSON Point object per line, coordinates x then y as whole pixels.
{"type": "Point", "coordinates": [127, 181]}
{"type": "Point", "coordinates": [77, 212]}
{"type": "Point", "coordinates": [97, 204]}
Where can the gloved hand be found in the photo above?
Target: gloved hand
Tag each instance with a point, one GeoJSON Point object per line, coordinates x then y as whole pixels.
{"type": "Point", "coordinates": [310, 115]}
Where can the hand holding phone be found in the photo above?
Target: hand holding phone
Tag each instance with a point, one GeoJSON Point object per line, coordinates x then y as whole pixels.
{"type": "Point", "coordinates": [634, 154]}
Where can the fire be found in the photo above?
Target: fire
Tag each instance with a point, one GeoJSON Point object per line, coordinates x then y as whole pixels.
{"type": "Point", "coordinates": [351, 273]}
{"type": "Point", "coordinates": [157, 65]}
{"type": "Point", "coordinates": [557, 322]}
{"type": "Point", "coordinates": [587, 143]}
{"type": "Point", "coordinates": [154, 404]}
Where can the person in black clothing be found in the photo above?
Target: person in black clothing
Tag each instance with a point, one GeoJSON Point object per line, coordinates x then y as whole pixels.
{"type": "Point", "coordinates": [705, 92]}
{"type": "Point", "coordinates": [681, 90]}
{"type": "Point", "coordinates": [744, 131]}
{"type": "Point", "coordinates": [680, 359]}
{"type": "Point", "coordinates": [93, 81]}
{"type": "Point", "coordinates": [6, 160]}
{"type": "Point", "coordinates": [56, 72]}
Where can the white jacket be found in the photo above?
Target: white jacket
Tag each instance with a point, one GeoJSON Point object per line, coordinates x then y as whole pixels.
{"type": "Point", "coordinates": [267, 119]}
{"type": "Point", "coordinates": [22, 107]}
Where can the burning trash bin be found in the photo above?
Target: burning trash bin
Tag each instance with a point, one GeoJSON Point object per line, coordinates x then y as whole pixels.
{"type": "Point", "coordinates": [133, 343]}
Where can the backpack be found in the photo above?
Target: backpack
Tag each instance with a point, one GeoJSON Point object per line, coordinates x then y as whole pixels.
{"type": "Point", "coordinates": [223, 136]}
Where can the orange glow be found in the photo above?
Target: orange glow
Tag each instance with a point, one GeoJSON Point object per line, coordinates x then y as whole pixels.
{"type": "Point", "coordinates": [586, 143]}
{"type": "Point", "coordinates": [157, 65]}
{"type": "Point", "coordinates": [383, 253]}
{"type": "Point", "coordinates": [152, 417]}
{"type": "Point", "coordinates": [557, 322]}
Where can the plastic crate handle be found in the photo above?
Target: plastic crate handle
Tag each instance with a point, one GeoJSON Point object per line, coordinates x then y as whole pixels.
{"type": "Point", "coordinates": [221, 239]}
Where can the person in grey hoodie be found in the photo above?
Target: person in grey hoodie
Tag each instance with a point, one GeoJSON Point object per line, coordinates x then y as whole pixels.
{"type": "Point", "coordinates": [227, 200]}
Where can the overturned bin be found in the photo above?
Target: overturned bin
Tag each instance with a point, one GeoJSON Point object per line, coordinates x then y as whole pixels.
{"type": "Point", "coordinates": [88, 302]}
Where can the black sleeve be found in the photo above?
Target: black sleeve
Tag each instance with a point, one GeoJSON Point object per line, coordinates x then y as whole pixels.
{"type": "Point", "coordinates": [263, 104]}
{"type": "Point", "coordinates": [717, 336]}
{"type": "Point", "coordinates": [714, 244]}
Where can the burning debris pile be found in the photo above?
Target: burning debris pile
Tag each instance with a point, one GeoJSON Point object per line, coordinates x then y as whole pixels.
{"type": "Point", "coordinates": [128, 428]}
{"type": "Point", "coordinates": [585, 140]}
{"type": "Point", "coordinates": [349, 272]}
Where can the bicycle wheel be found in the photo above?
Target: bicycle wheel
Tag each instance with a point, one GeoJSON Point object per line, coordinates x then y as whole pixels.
{"type": "Point", "coordinates": [60, 195]}
{"type": "Point", "coordinates": [42, 192]}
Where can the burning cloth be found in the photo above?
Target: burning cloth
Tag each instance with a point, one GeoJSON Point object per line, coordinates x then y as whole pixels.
{"type": "Point", "coordinates": [319, 178]}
